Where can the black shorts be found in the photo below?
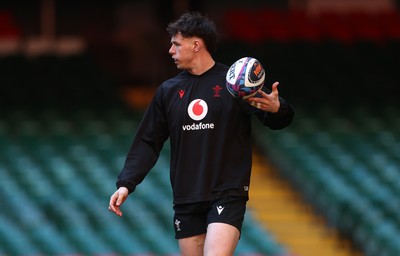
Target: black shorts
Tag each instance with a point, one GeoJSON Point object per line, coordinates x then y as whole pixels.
{"type": "Point", "coordinates": [193, 219]}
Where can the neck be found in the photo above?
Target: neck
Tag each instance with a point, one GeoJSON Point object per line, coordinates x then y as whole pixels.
{"type": "Point", "coordinates": [201, 64]}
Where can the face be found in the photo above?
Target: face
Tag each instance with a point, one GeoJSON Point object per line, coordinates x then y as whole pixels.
{"type": "Point", "coordinates": [183, 51]}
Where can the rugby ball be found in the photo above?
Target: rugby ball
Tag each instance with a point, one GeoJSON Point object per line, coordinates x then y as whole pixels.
{"type": "Point", "coordinates": [245, 77]}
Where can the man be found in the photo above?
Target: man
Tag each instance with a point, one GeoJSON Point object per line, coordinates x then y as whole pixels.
{"type": "Point", "coordinates": [210, 137]}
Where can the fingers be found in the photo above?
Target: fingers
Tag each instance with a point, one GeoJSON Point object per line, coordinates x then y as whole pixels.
{"type": "Point", "coordinates": [256, 104]}
{"type": "Point", "coordinates": [262, 94]}
{"type": "Point", "coordinates": [266, 102]}
{"type": "Point", "coordinates": [275, 87]}
{"type": "Point", "coordinates": [267, 107]}
{"type": "Point", "coordinates": [113, 207]}
{"type": "Point", "coordinates": [117, 199]}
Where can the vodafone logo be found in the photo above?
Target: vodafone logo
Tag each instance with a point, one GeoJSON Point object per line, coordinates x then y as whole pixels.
{"type": "Point", "coordinates": [197, 109]}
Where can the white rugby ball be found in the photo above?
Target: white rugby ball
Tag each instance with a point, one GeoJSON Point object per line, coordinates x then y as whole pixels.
{"type": "Point", "coordinates": [245, 77]}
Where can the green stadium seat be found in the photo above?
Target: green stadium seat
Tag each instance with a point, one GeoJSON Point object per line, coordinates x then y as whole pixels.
{"type": "Point", "coordinates": [257, 240]}
{"type": "Point", "coordinates": [347, 166]}
{"type": "Point", "coordinates": [60, 168]}
{"type": "Point", "coordinates": [13, 240]}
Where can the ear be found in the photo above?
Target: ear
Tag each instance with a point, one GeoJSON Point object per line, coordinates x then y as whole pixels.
{"type": "Point", "coordinates": [196, 45]}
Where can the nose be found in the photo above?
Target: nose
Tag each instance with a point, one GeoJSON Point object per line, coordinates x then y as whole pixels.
{"type": "Point", "coordinates": [171, 50]}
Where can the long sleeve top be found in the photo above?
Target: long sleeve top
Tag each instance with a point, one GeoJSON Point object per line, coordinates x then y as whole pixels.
{"type": "Point", "coordinates": [209, 133]}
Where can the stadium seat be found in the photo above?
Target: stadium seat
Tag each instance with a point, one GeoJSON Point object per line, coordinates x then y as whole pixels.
{"type": "Point", "coordinates": [57, 171]}
{"type": "Point", "coordinates": [345, 166]}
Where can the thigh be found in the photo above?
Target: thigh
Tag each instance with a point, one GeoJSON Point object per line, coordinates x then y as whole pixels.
{"type": "Point", "coordinates": [225, 220]}
{"type": "Point", "coordinates": [221, 239]}
{"type": "Point", "coordinates": [190, 220]}
{"type": "Point", "coordinates": [192, 246]}
{"type": "Point", "coordinates": [230, 210]}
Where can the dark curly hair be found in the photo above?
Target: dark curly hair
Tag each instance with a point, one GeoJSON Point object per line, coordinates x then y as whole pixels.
{"type": "Point", "coordinates": [195, 24]}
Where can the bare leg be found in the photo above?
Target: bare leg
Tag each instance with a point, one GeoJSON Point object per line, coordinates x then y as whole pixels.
{"type": "Point", "coordinates": [192, 246]}
{"type": "Point", "coordinates": [221, 239]}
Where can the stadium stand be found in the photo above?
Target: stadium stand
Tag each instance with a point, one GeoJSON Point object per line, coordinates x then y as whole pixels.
{"type": "Point", "coordinates": [341, 152]}
{"type": "Point", "coordinates": [64, 133]}
{"type": "Point", "coordinates": [347, 170]}
{"type": "Point", "coordinates": [57, 172]}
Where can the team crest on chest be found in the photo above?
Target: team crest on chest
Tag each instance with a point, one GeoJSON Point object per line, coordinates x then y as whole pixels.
{"type": "Point", "coordinates": [217, 91]}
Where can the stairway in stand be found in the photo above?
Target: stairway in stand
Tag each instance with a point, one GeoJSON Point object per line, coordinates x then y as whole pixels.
{"type": "Point", "coordinates": [293, 223]}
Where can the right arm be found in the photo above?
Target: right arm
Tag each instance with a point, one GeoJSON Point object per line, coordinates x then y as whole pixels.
{"type": "Point", "coordinates": [143, 153]}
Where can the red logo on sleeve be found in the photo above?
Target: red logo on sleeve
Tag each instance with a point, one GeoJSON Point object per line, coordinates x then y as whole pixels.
{"type": "Point", "coordinates": [181, 93]}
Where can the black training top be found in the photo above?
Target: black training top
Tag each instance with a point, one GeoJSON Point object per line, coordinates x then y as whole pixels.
{"type": "Point", "coordinates": [210, 136]}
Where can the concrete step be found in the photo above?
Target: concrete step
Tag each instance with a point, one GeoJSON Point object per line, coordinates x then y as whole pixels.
{"type": "Point", "coordinates": [293, 223]}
